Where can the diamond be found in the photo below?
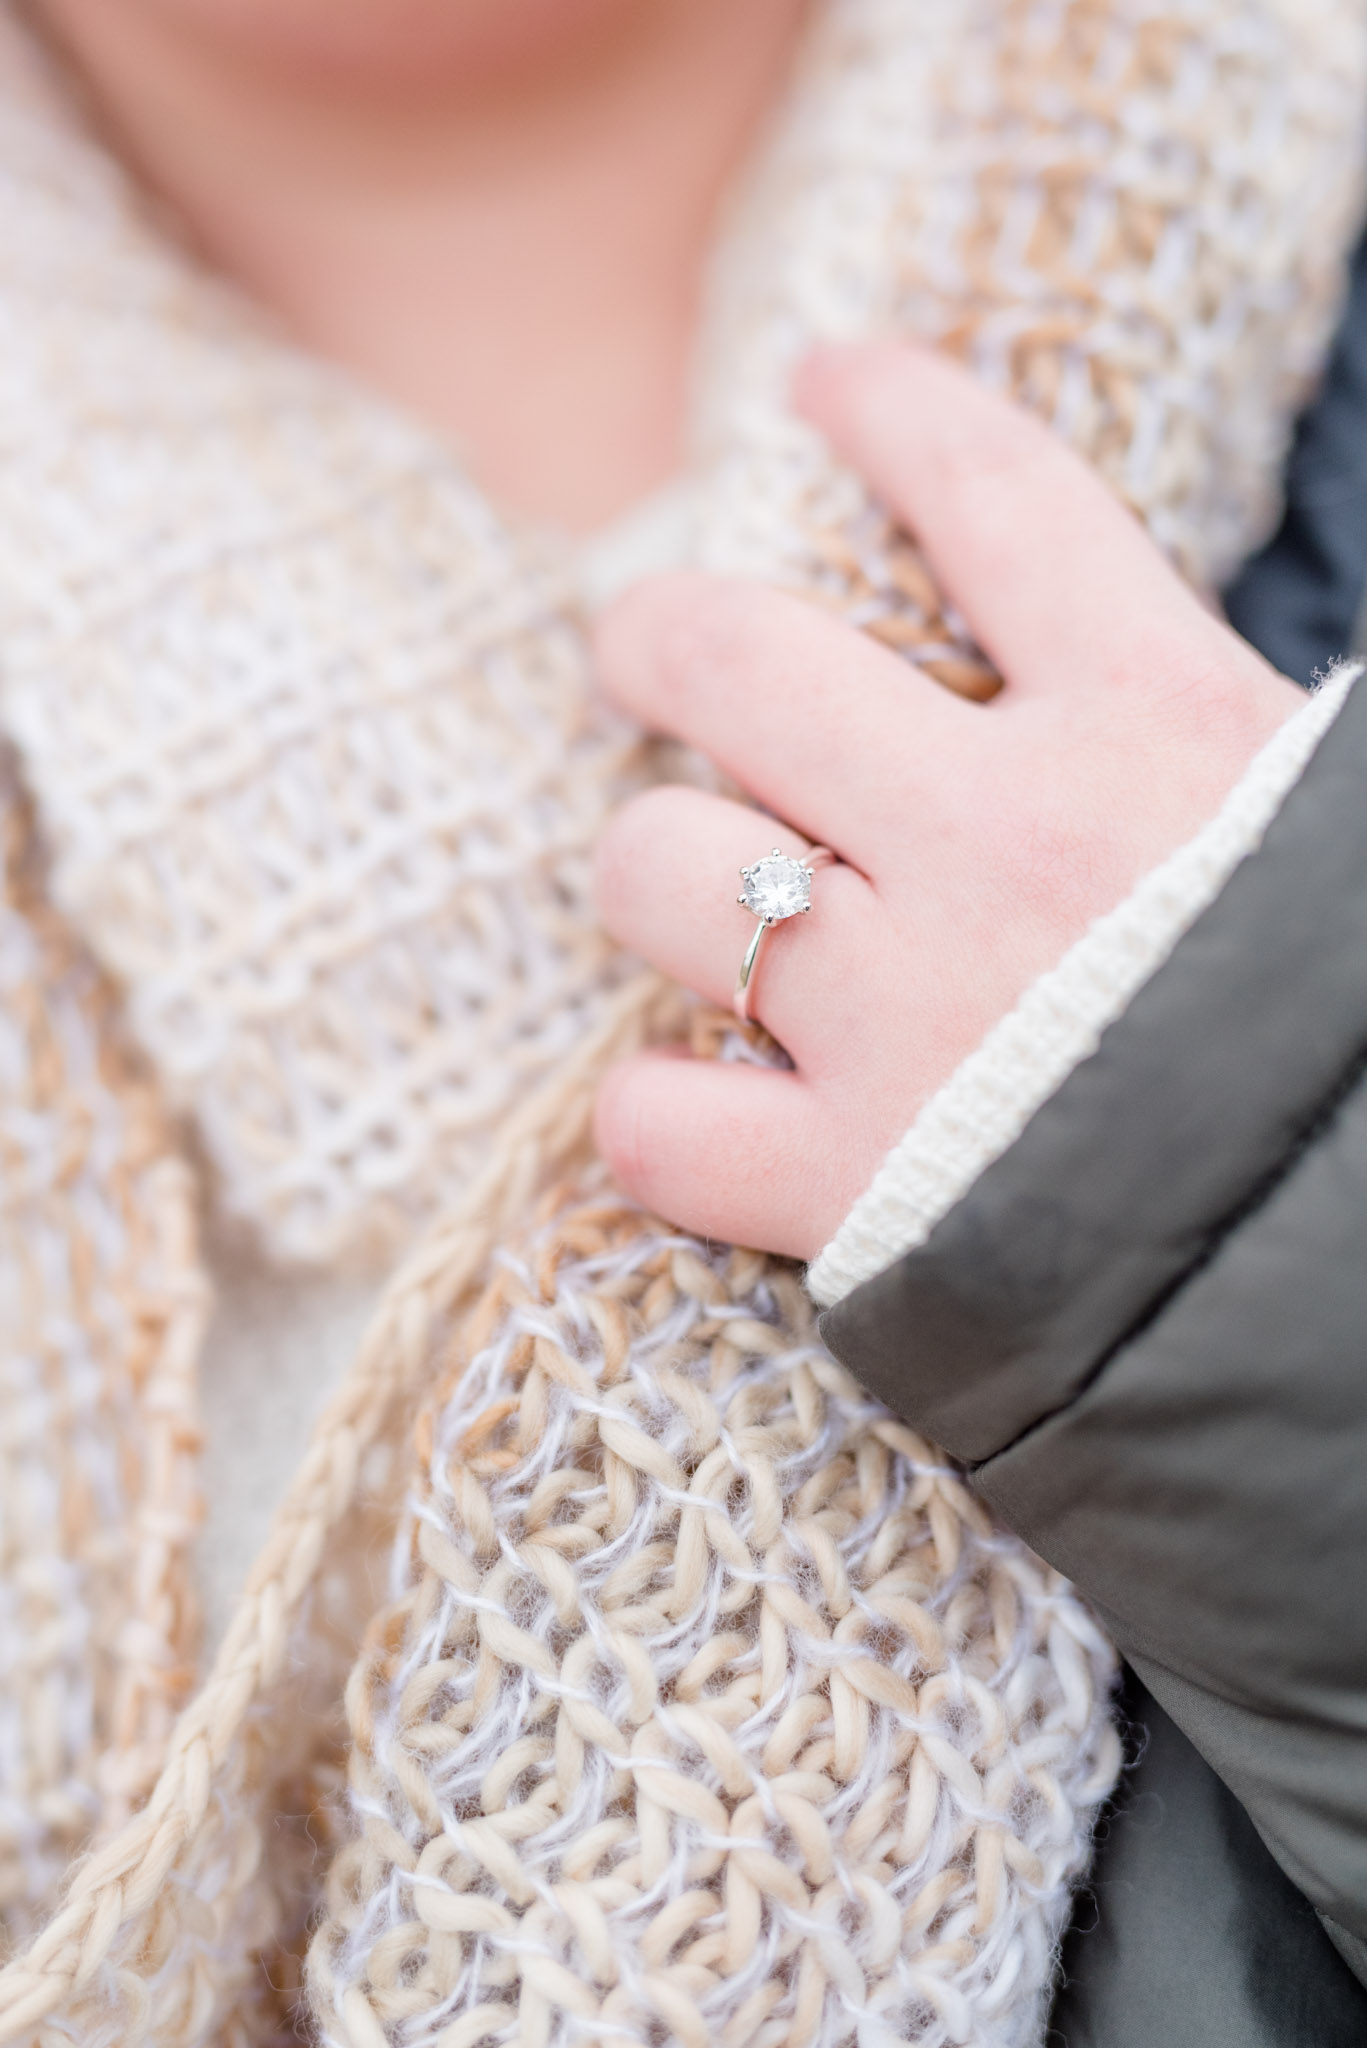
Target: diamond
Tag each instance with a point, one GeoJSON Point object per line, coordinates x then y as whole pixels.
{"type": "Point", "coordinates": [776, 887]}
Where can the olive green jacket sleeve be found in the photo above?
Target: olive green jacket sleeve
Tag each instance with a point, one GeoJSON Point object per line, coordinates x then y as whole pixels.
{"type": "Point", "coordinates": [1145, 1330]}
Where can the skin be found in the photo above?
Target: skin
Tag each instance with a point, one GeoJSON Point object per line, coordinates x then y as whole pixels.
{"type": "Point", "coordinates": [432, 193]}
{"type": "Point", "coordinates": [978, 841]}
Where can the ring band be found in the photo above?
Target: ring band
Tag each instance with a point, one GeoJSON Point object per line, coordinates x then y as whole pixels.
{"type": "Point", "coordinates": [775, 888]}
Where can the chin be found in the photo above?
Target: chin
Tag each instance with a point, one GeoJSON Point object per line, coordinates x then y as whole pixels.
{"type": "Point", "coordinates": [419, 45]}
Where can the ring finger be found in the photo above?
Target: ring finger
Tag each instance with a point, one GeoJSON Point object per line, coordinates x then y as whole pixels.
{"type": "Point", "coordinates": [668, 879]}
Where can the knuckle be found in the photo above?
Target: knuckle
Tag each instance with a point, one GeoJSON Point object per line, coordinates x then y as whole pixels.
{"type": "Point", "coordinates": [711, 641]}
{"type": "Point", "coordinates": [631, 842]}
{"type": "Point", "coordinates": [684, 630]}
{"type": "Point", "coordinates": [988, 442]}
{"type": "Point", "coordinates": [629, 831]}
{"type": "Point", "coordinates": [632, 1131]}
{"type": "Point", "coordinates": [1205, 700]}
{"type": "Point", "coordinates": [626, 632]}
{"type": "Point", "coordinates": [617, 1124]}
{"type": "Point", "coordinates": [634, 614]}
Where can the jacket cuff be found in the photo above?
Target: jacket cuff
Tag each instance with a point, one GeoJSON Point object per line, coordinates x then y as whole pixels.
{"type": "Point", "coordinates": [986, 1104]}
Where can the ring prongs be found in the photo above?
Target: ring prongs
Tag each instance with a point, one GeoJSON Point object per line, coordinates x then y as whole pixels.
{"type": "Point", "coordinates": [776, 888]}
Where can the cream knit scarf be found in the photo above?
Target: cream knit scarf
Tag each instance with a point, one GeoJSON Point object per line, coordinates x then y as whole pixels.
{"type": "Point", "coordinates": [703, 1702]}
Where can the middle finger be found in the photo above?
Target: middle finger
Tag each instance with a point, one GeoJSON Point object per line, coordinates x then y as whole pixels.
{"type": "Point", "coordinates": [818, 722]}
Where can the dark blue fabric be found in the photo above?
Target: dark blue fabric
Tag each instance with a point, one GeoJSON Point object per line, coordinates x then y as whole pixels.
{"type": "Point", "coordinates": [1297, 600]}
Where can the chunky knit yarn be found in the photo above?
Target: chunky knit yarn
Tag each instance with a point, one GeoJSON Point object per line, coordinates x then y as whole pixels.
{"type": "Point", "coordinates": [103, 1311]}
{"type": "Point", "coordinates": [308, 723]}
{"type": "Point", "coordinates": [713, 1707]}
{"type": "Point", "coordinates": [702, 1702]}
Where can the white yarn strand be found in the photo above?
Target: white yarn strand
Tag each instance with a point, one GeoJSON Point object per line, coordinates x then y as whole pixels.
{"type": "Point", "coordinates": [1059, 1021]}
{"type": "Point", "coordinates": [612, 1713]}
{"type": "Point", "coordinates": [309, 733]}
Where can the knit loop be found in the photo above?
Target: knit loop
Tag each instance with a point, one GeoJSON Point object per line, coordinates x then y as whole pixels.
{"type": "Point", "coordinates": [704, 1702]}
{"type": "Point", "coordinates": [822, 1763]}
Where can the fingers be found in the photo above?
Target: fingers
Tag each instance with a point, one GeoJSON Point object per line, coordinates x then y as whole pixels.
{"type": "Point", "coordinates": [824, 727]}
{"type": "Point", "coordinates": [726, 1151]}
{"type": "Point", "coordinates": [668, 878]}
{"type": "Point", "coordinates": [1060, 585]}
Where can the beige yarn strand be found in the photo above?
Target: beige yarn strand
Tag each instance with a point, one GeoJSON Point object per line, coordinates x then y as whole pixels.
{"type": "Point", "coordinates": [703, 1702]}
{"type": "Point", "coordinates": [102, 1307]}
{"type": "Point", "coordinates": [111, 1908]}
{"type": "Point", "coordinates": [713, 1708]}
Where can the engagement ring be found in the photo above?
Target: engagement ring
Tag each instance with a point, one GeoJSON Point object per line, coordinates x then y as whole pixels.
{"type": "Point", "coordinates": [774, 888]}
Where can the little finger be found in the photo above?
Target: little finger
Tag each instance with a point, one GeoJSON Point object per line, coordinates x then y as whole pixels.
{"type": "Point", "coordinates": [734, 1153]}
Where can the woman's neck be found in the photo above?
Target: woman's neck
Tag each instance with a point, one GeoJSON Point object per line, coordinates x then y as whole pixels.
{"type": "Point", "coordinates": [513, 251]}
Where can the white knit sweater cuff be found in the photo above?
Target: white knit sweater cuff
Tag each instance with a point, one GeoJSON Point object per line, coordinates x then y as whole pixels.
{"type": "Point", "coordinates": [986, 1104]}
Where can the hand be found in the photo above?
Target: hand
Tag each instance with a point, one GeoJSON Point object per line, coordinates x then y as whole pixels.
{"type": "Point", "coordinates": [977, 841]}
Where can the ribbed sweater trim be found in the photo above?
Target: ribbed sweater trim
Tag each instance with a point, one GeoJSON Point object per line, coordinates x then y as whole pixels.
{"type": "Point", "coordinates": [988, 1101]}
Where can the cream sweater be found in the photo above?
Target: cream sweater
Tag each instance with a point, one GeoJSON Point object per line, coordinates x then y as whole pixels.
{"type": "Point", "coordinates": [279, 1342]}
{"type": "Point", "coordinates": [309, 730]}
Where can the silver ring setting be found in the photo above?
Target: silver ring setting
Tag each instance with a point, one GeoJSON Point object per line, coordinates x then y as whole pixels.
{"type": "Point", "coordinates": [774, 889]}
